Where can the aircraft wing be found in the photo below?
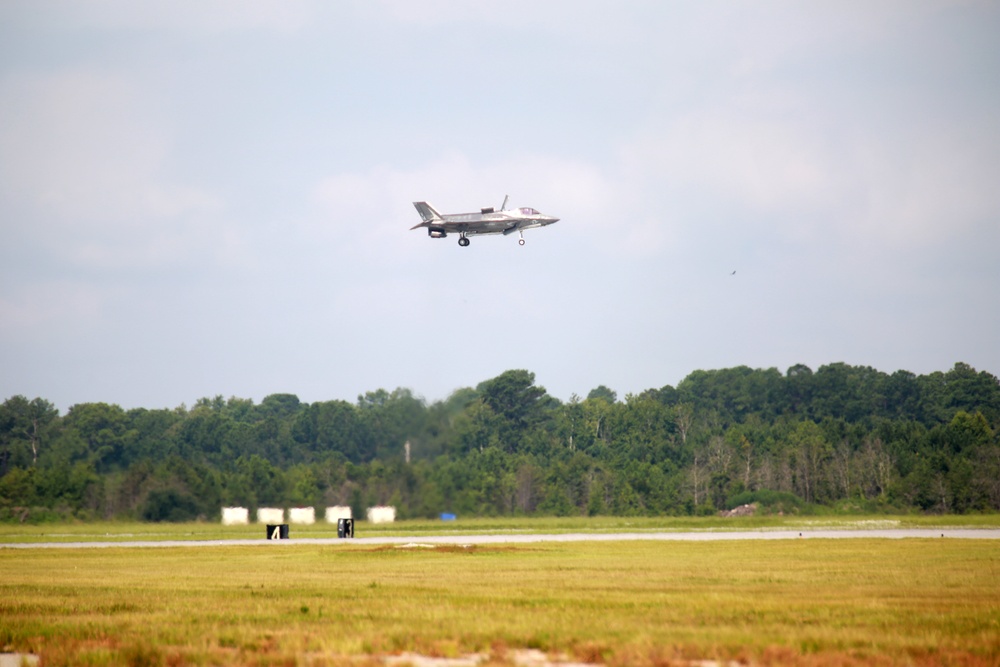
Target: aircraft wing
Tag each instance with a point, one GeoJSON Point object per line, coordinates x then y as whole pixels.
{"type": "Point", "coordinates": [474, 228]}
{"type": "Point", "coordinates": [443, 225]}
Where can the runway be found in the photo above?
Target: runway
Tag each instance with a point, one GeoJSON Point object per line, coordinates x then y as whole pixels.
{"type": "Point", "coordinates": [417, 541]}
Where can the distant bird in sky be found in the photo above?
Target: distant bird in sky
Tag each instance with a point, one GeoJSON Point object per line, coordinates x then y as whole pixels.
{"type": "Point", "coordinates": [733, 273]}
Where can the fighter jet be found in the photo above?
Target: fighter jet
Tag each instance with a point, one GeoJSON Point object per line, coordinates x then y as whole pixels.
{"type": "Point", "coordinates": [487, 221]}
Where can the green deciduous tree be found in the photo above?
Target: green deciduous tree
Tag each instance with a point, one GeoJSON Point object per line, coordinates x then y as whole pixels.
{"type": "Point", "coordinates": [844, 435]}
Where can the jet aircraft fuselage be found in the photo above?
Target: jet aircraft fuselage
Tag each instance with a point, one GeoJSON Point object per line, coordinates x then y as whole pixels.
{"type": "Point", "coordinates": [486, 221]}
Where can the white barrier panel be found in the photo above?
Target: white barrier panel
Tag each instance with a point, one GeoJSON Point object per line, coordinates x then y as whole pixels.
{"type": "Point", "coordinates": [381, 514]}
{"type": "Point", "coordinates": [305, 515]}
{"type": "Point", "coordinates": [235, 516]}
{"type": "Point", "coordinates": [337, 512]}
{"type": "Point", "coordinates": [270, 515]}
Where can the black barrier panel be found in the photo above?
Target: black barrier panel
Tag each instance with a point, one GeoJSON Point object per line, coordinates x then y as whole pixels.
{"type": "Point", "coordinates": [345, 527]}
{"type": "Point", "coordinates": [277, 531]}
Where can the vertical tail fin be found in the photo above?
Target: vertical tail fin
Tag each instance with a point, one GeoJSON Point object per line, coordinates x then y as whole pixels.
{"type": "Point", "coordinates": [427, 213]}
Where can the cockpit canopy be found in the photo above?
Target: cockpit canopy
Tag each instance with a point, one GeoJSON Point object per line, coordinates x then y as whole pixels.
{"type": "Point", "coordinates": [529, 211]}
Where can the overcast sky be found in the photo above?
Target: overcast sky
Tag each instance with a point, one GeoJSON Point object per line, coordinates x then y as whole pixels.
{"type": "Point", "coordinates": [215, 198]}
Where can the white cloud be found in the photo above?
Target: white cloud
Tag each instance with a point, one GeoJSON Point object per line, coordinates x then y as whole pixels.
{"type": "Point", "coordinates": [195, 17]}
{"type": "Point", "coordinates": [933, 184]}
{"type": "Point", "coordinates": [73, 146]}
{"type": "Point", "coordinates": [596, 20]}
{"type": "Point", "coordinates": [50, 306]}
{"type": "Point", "coordinates": [764, 163]}
{"type": "Point", "coordinates": [81, 144]}
{"type": "Point", "coordinates": [82, 154]}
{"type": "Point", "coordinates": [918, 183]}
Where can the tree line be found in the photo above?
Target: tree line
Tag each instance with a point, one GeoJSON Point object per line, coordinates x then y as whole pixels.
{"type": "Point", "coordinates": [841, 438]}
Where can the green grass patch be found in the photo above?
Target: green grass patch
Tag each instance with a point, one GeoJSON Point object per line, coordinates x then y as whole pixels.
{"type": "Point", "coordinates": [862, 601]}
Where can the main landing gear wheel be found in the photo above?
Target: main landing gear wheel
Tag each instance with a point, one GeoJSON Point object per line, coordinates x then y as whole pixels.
{"type": "Point", "coordinates": [462, 241]}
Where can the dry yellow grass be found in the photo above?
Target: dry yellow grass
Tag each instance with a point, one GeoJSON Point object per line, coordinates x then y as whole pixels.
{"type": "Point", "coordinates": [766, 602]}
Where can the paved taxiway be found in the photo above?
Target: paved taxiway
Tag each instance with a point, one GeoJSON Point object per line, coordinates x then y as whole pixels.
{"type": "Point", "coordinates": [431, 540]}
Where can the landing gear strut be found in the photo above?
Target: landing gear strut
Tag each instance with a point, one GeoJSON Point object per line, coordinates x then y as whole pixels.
{"type": "Point", "coordinates": [520, 241]}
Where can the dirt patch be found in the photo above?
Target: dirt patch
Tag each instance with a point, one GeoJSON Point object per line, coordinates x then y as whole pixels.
{"type": "Point", "coordinates": [518, 658]}
{"type": "Point", "coordinates": [742, 510]}
{"type": "Point", "coordinates": [450, 548]}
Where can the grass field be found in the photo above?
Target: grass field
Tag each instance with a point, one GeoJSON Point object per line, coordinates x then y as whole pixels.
{"type": "Point", "coordinates": [809, 602]}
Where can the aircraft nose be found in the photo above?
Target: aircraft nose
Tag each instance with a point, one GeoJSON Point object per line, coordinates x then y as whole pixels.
{"type": "Point", "coordinates": [550, 220]}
